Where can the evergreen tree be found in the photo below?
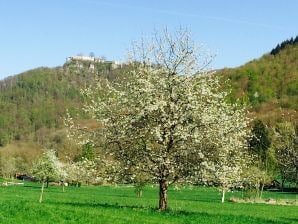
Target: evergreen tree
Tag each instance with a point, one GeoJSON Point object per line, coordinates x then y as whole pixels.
{"type": "Point", "coordinates": [286, 150]}
{"type": "Point", "coordinates": [260, 141]}
{"type": "Point", "coordinates": [283, 44]}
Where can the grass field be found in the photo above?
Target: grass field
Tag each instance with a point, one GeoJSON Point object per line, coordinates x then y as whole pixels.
{"type": "Point", "coordinates": [118, 204]}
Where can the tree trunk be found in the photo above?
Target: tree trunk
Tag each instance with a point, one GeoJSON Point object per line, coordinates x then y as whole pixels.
{"type": "Point", "coordinates": [139, 193]}
{"type": "Point", "coordinates": [296, 181]}
{"type": "Point", "coordinates": [262, 189]}
{"type": "Point", "coordinates": [223, 196]}
{"type": "Point", "coordinates": [282, 184]}
{"type": "Point", "coordinates": [41, 192]}
{"type": "Point", "coordinates": [163, 197]}
{"type": "Point", "coordinates": [257, 190]}
{"type": "Point", "coordinates": [48, 182]}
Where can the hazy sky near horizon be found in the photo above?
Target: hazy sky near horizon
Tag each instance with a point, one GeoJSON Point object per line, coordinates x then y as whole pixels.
{"type": "Point", "coordinates": [38, 33]}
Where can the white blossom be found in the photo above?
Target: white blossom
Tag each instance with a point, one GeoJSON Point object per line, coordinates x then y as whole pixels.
{"type": "Point", "coordinates": [167, 116]}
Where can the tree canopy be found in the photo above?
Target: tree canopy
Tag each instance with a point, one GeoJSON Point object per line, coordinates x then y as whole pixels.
{"type": "Point", "coordinates": [167, 118]}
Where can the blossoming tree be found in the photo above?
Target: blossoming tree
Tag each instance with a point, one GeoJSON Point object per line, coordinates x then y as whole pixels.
{"type": "Point", "coordinates": [47, 167]}
{"type": "Point", "coordinates": [166, 116]}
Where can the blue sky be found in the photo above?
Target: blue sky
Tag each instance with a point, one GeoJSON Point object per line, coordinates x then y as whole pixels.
{"type": "Point", "coordinates": [38, 33]}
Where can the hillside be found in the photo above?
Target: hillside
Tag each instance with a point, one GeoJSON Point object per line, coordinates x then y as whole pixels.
{"type": "Point", "coordinates": [33, 104]}
{"type": "Point", "coordinates": [269, 85]}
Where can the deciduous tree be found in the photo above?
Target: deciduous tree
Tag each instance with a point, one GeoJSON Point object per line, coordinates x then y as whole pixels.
{"type": "Point", "coordinates": [286, 150]}
{"type": "Point", "coordinates": [167, 116]}
{"type": "Point", "coordinates": [47, 167]}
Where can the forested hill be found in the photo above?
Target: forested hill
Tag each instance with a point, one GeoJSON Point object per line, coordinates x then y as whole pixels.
{"type": "Point", "coordinates": [269, 84]}
{"type": "Point", "coordinates": [33, 104]}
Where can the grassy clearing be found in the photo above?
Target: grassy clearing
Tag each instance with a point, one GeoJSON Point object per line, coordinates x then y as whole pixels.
{"type": "Point", "coordinates": [118, 204]}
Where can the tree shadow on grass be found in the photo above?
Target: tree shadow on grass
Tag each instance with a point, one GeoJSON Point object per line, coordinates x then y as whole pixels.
{"type": "Point", "coordinates": [103, 205]}
{"type": "Point", "coordinates": [200, 199]}
{"type": "Point", "coordinates": [214, 218]}
{"type": "Point", "coordinates": [288, 190]}
{"type": "Point", "coordinates": [292, 220]}
{"type": "Point", "coordinates": [32, 186]}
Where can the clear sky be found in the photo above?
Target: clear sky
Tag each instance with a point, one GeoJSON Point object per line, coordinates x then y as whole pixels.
{"type": "Point", "coordinates": [38, 33]}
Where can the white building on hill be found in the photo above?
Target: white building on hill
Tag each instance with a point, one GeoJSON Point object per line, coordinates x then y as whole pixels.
{"type": "Point", "coordinates": [79, 61]}
{"type": "Point", "coordinates": [84, 58]}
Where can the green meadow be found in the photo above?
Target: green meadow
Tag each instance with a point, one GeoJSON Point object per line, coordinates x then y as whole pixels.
{"type": "Point", "coordinates": [119, 204]}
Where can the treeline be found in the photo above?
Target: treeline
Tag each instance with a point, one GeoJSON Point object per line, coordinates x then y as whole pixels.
{"type": "Point", "coordinates": [283, 44]}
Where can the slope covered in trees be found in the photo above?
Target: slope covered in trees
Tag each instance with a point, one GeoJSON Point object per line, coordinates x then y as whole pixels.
{"type": "Point", "coordinates": [33, 104]}
{"type": "Point", "coordinates": [32, 108]}
{"type": "Point", "coordinates": [269, 84]}
{"type": "Point", "coordinates": [36, 100]}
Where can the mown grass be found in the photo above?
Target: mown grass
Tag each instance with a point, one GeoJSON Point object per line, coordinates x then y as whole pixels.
{"type": "Point", "coordinates": [118, 204]}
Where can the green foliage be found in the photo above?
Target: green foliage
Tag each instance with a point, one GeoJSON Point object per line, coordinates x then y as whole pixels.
{"type": "Point", "coordinates": [4, 138]}
{"type": "Point", "coordinates": [269, 84]}
{"type": "Point", "coordinates": [286, 150]}
{"type": "Point", "coordinates": [292, 88]}
{"type": "Point", "coordinates": [38, 99]}
{"type": "Point", "coordinates": [46, 167]}
{"type": "Point", "coordinates": [88, 151]}
{"type": "Point", "coordinates": [260, 141]}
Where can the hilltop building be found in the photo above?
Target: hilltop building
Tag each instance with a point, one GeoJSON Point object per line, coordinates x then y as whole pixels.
{"type": "Point", "coordinates": [88, 61]}
{"type": "Point", "coordinates": [84, 58]}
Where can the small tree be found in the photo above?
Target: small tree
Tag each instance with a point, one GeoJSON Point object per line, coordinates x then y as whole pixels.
{"type": "Point", "coordinates": [286, 151]}
{"type": "Point", "coordinates": [8, 166]}
{"type": "Point", "coordinates": [260, 142]}
{"type": "Point", "coordinates": [76, 173]}
{"type": "Point", "coordinates": [140, 181]}
{"type": "Point", "coordinates": [62, 174]}
{"type": "Point", "coordinates": [228, 171]}
{"type": "Point", "coordinates": [47, 167]}
{"type": "Point", "coordinates": [82, 171]}
{"type": "Point", "coordinates": [231, 157]}
{"type": "Point", "coordinates": [254, 179]}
